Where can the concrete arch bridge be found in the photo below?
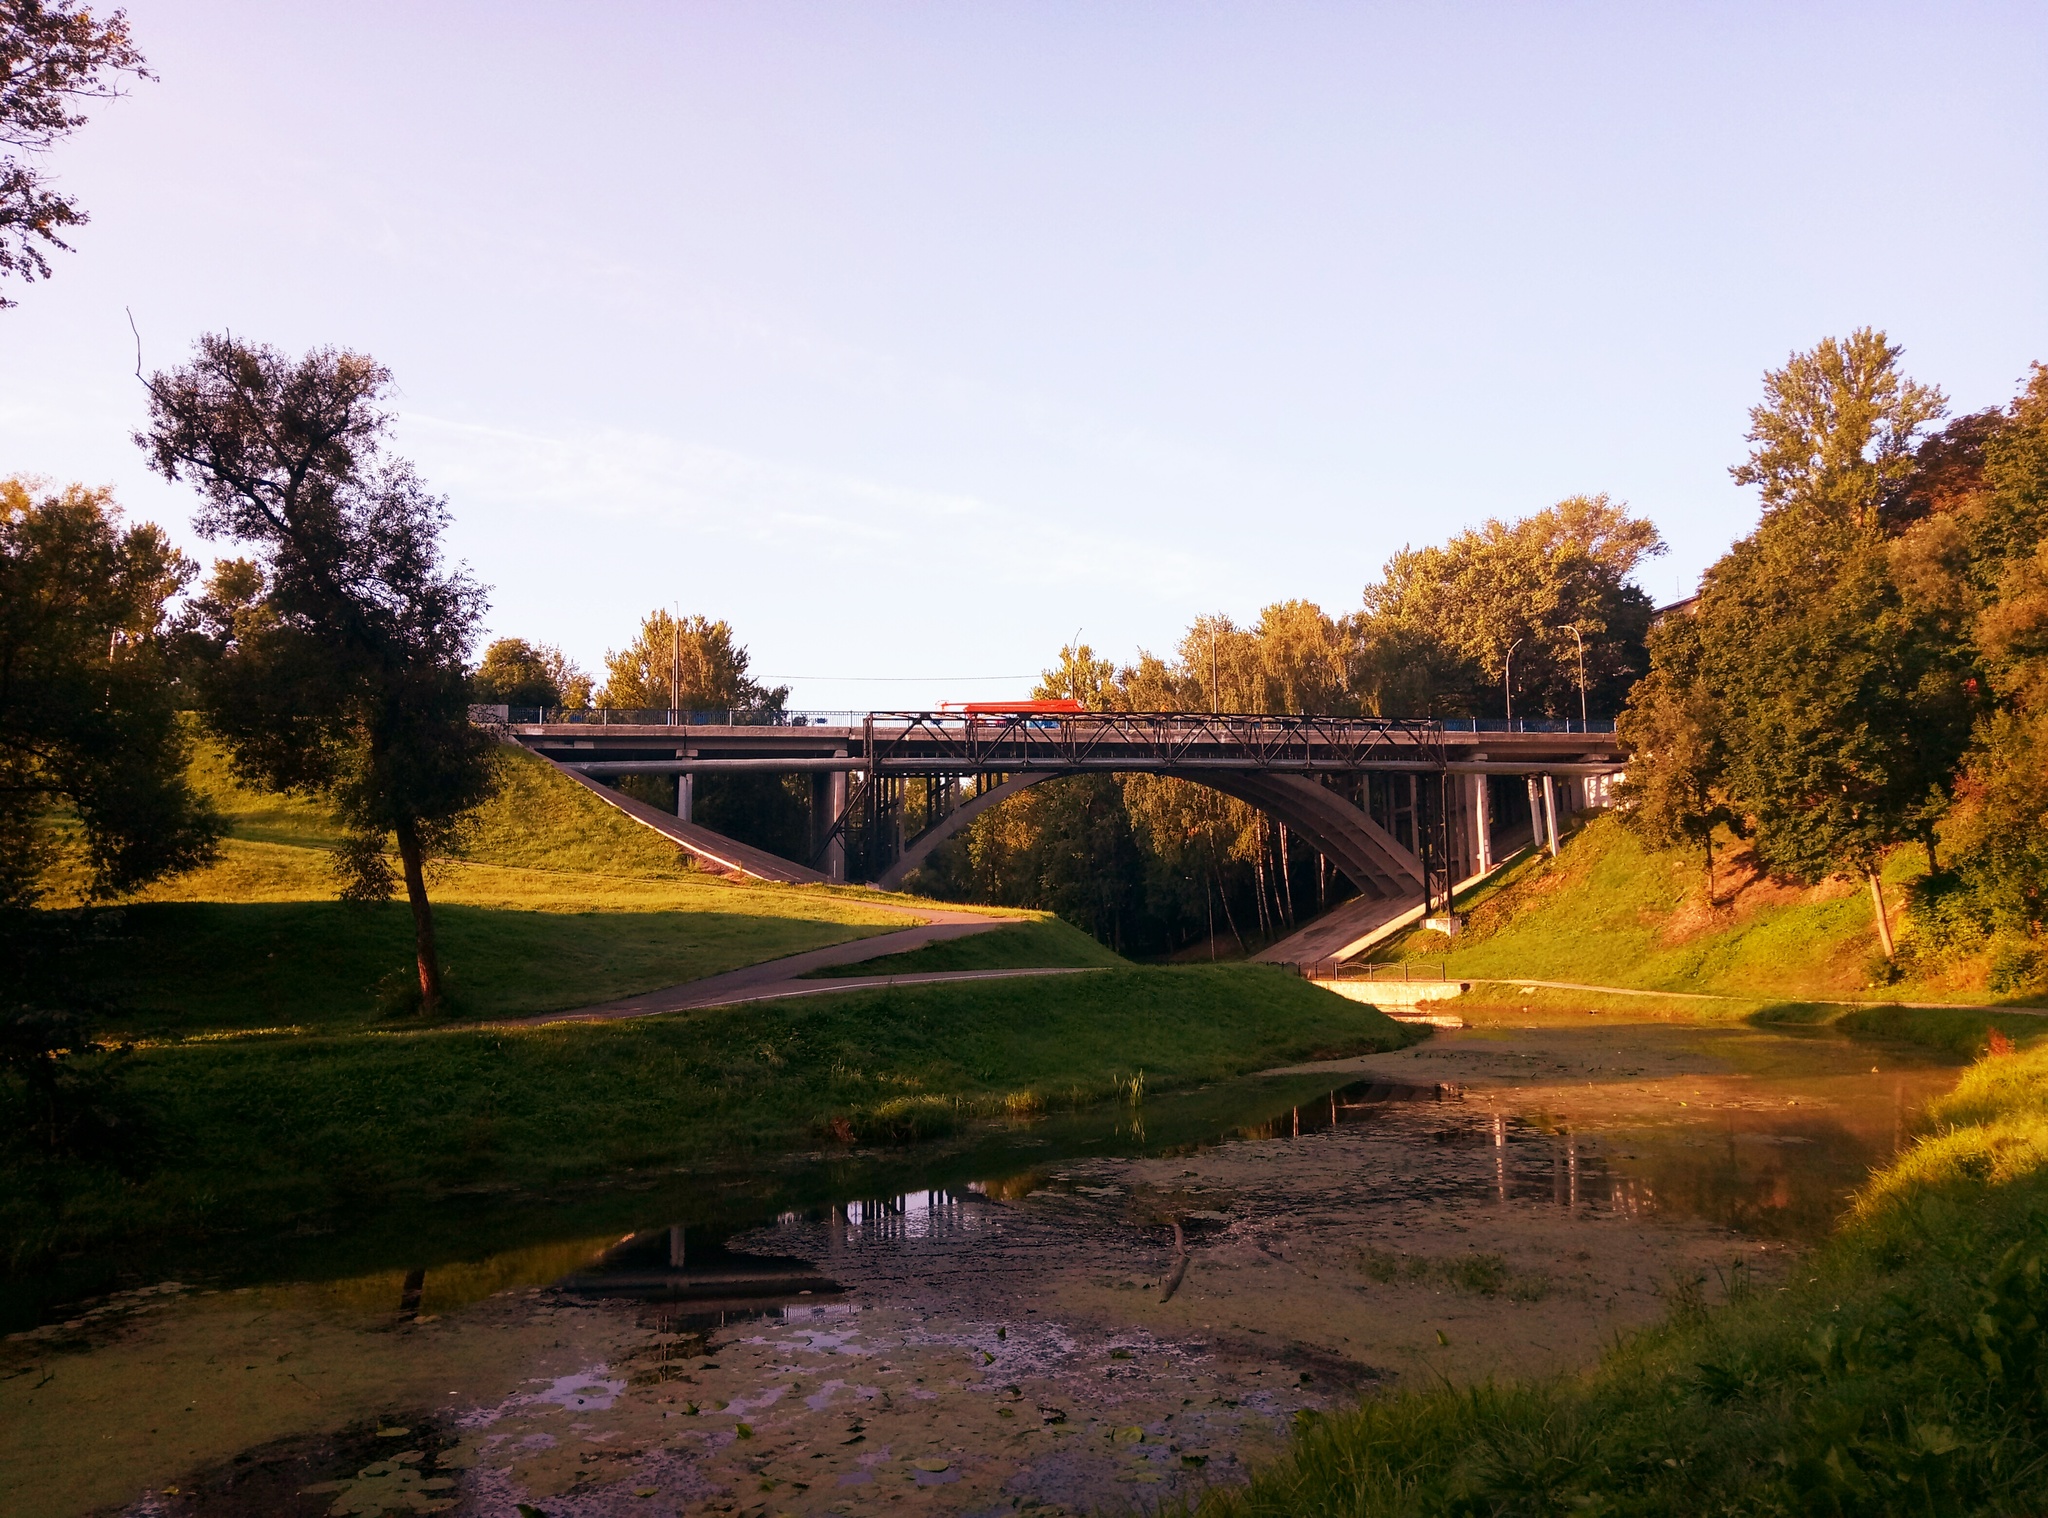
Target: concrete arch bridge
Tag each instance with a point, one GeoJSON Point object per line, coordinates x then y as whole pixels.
{"type": "Point", "coordinates": [1405, 810]}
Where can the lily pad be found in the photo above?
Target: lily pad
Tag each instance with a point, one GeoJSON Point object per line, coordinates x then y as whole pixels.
{"type": "Point", "coordinates": [934, 1466]}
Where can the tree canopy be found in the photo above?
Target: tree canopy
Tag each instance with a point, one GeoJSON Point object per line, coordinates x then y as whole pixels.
{"type": "Point", "coordinates": [333, 663]}
{"type": "Point", "coordinates": [88, 714]}
{"type": "Point", "coordinates": [689, 663]}
{"type": "Point", "coordinates": [514, 672]}
{"type": "Point", "coordinates": [55, 55]}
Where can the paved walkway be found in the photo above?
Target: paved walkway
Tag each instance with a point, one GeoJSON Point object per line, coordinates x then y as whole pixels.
{"type": "Point", "coordinates": [784, 977]}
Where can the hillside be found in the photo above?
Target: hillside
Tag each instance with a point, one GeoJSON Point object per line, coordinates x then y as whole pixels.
{"type": "Point", "coordinates": [1608, 911]}
{"type": "Point", "coordinates": [555, 901]}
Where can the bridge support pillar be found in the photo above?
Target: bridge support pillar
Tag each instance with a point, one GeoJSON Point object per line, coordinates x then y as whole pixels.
{"type": "Point", "coordinates": [828, 802]}
{"type": "Point", "coordinates": [1550, 814]}
{"type": "Point", "coordinates": [686, 790]}
{"type": "Point", "coordinates": [1482, 824]}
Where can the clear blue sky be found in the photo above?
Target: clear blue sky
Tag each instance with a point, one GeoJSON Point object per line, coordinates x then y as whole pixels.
{"type": "Point", "coordinates": [912, 338]}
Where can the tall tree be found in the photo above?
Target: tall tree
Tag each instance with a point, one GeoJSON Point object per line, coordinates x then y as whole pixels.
{"type": "Point", "coordinates": [87, 703]}
{"type": "Point", "coordinates": [713, 667]}
{"type": "Point", "coordinates": [1842, 681]}
{"type": "Point", "coordinates": [55, 55]}
{"type": "Point", "coordinates": [1837, 430]}
{"type": "Point", "coordinates": [336, 660]}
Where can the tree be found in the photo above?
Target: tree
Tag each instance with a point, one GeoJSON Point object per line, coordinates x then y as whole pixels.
{"type": "Point", "coordinates": [54, 55]}
{"type": "Point", "coordinates": [713, 669]}
{"type": "Point", "coordinates": [515, 672]}
{"type": "Point", "coordinates": [334, 663]}
{"type": "Point", "coordinates": [1528, 583]}
{"type": "Point", "coordinates": [1675, 793]}
{"type": "Point", "coordinates": [1838, 664]}
{"type": "Point", "coordinates": [1837, 430]}
{"type": "Point", "coordinates": [87, 711]}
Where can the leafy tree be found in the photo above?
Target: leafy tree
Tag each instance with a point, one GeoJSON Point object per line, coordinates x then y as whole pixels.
{"type": "Point", "coordinates": [1528, 583]}
{"type": "Point", "coordinates": [1675, 794]}
{"type": "Point", "coordinates": [1837, 430]}
{"type": "Point", "coordinates": [713, 669]}
{"type": "Point", "coordinates": [1832, 652]}
{"type": "Point", "coordinates": [515, 672]}
{"type": "Point", "coordinates": [54, 56]}
{"type": "Point", "coordinates": [87, 702]}
{"type": "Point", "coordinates": [333, 664]}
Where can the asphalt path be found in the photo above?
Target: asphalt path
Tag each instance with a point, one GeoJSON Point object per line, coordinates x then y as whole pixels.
{"type": "Point", "coordinates": [776, 978]}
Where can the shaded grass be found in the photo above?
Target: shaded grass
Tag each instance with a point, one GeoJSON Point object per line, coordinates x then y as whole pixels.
{"type": "Point", "coordinates": [555, 901]}
{"type": "Point", "coordinates": [263, 1134]}
{"type": "Point", "coordinates": [1043, 943]}
{"type": "Point", "coordinates": [1902, 1370]}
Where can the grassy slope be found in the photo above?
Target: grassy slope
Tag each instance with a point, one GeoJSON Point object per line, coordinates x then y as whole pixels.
{"type": "Point", "coordinates": [268, 1132]}
{"type": "Point", "coordinates": [1608, 911]}
{"type": "Point", "coordinates": [1901, 1371]}
{"type": "Point", "coordinates": [556, 901]}
{"type": "Point", "coordinates": [1046, 941]}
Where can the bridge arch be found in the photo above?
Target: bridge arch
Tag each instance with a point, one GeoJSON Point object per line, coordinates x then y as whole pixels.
{"type": "Point", "coordinates": [1370, 857]}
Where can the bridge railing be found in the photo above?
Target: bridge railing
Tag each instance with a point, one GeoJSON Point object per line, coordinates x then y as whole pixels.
{"type": "Point", "coordinates": [656, 716]}
{"type": "Point", "coordinates": [1527, 725]}
{"type": "Point", "coordinates": [1344, 969]}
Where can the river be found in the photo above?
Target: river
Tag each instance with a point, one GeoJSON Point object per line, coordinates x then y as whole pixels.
{"type": "Point", "coordinates": [1091, 1310]}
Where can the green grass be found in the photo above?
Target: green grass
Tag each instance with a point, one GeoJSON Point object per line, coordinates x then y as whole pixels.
{"type": "Point", "coordinates": [1043, 943]}
{"type": "Point", "coordinates": [1901, 1370]}
{"type": "Point", "coordinates": [555, 901]}
{"type": "Point", "coordinates": [1609, 911]}
{"type": "Point", "coordinates": [265, 1134]}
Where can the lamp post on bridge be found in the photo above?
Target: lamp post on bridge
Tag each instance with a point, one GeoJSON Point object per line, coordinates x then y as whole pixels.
{"type": "Point", "coordinates": [1582, 676]}
{"type": "Point", "coordinates": [1507, 678]}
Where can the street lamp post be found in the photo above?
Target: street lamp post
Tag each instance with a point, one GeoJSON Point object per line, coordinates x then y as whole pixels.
{"type": "Point", "coordinates": [1582, 677]}
{"type": "Point", "coordinates": [1507, 675]}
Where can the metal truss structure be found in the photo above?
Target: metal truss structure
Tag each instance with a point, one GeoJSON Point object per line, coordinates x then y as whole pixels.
{"type": "Point", "coordinates": [926, 743]}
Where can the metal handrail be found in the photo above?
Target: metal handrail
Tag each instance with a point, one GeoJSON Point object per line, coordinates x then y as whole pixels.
{"type": "Point", "coordinates": [1373, 971]}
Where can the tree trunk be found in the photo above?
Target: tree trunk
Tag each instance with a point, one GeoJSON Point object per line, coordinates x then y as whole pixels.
{"type": "Point", "coordinates": [1287, 874]}
{"type": "Point", "coordinates": [422, 920]}
{"type": "Point", "coordinates": [1228, 916]}
{"type": "Point", "coordinates": [1884, 928]}
{"type": "Point", "coordinates": [1710, 872]}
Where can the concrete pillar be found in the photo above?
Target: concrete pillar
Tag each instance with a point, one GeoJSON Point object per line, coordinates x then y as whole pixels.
{"type": "Point", "coordinates": [686, 790]}
{"type": "Point", "coordinates": [1550, 814]}
{"type": "Point", "coordinates": [1482, 824]}
{"type": "Point", "coordinates": [1535, 813]}
{"type": "Point", "coordinates": [835, 805]}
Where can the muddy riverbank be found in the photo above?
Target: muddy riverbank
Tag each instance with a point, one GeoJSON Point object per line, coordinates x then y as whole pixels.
{"type": "Point", "coordinates": [1090, 1313]}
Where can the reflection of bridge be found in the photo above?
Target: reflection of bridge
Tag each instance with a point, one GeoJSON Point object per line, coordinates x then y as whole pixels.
{"type": "Point", "coordinates": [1401, 808]}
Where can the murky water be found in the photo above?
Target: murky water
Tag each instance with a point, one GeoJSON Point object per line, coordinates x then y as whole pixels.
{"type": "Point", "coordinates": [1085, 1311]}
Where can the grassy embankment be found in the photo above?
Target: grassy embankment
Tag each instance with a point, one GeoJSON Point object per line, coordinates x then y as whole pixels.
{"type": "Point", "coordinates": [1904, 1369]}
{"type": "Point", "coordinates": [556, 901]}
{"type": "Point", "coordinates": [281, 1098]}
{"type": "Point", "coordinates": [1610, 912]}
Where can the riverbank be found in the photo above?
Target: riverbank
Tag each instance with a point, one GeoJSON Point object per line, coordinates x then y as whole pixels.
{"type": "Point", "coordinates": [1083, 1311]}
{"type": "Point", "coordinates": [1898, 1370]}
{"type": "Point", "coordinates": [365, 1136]}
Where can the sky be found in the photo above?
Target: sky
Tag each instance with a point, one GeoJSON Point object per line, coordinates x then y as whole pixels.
{"type": "Point", "coordinates": [915, 339]}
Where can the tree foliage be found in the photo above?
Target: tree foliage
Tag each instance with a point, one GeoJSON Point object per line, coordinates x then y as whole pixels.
{"type": "Point", "coordinates": [332, 664]}
{"type": "Point", "coordinates": [514, 672]}
{"type": "Point", "coordinates": [87, 704]}
{"type": "Point", "coordinates": [714, 674]}
{"type": "Point", "coordinates": [55, 55]}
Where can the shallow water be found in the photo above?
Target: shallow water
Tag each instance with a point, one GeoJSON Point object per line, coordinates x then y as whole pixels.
{"type": "Point", "coordinates": [1084, 1311]}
